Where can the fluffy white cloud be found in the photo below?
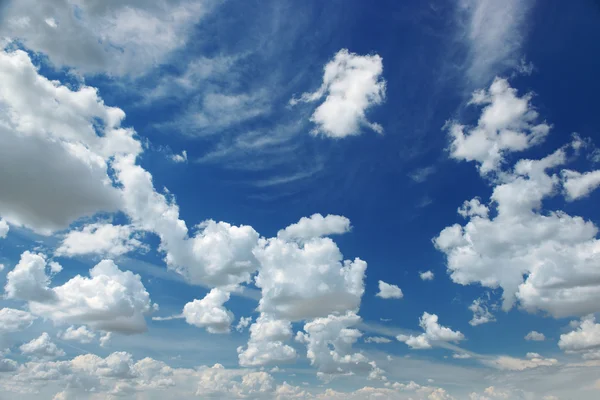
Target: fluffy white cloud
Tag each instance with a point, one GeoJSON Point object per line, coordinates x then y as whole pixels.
{"type": "Point", "coordinates": [243, 323]}
{"type": "Point", "coordinates": [112, 37]}
{"type": "Point", "coordinates": [377, 339]}
{"type": "Point", "coordinates": [42, 347]}
{"type": "Point", "coordinates": [532, 360]}
{"type": "Point", "coordinates": [315, 226]}
{"type": "Point", "coordinates": [99, 238]}
{"type": "Point", "coordinates": [209, 312]}
{"type": "Point", "coordinates": [4, 228]}
{"type": "Point", "coordinates": [535, 336]}
{"type": "Point", "coordinates": [434, 332]}
{"type": "Point", "coordinates": [61, 139]}
{"type": "Point", "coordinates": [388, 291]}
{"type": "Point", "coordinates": [306, 280]}
{"type": "Point", "coordinates": [426, 276]}
{"type": "Point", "coordinates": [481, 314]}
{"type": "Point", "coordinates": [578, 185]}
{"type": "Point", "coordinates": [180, 158]}
{"type": "Point", "coordinates": [585, 337]}
{"type": "Point", "coordinates": [12, 320]}
{"type": "Point", "coordinates": [81, 334]}
{"type": "Point", "coordinates": [507, 124]}
{"type": "Point", "coordinates": [351, 85]}
{"type": "Point", "coordinates": [267, 343]}
{"type": "Point", "coordinates": [110, 300]}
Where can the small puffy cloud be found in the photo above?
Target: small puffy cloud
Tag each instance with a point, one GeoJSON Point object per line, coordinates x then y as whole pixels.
{"type": "Point", "coordinates": [577, 185]}
{"type": "Point", "coordinates": [532, 360]}
{"type": "Point", "coordinates": [28, 280]}
{"type": "Point", "coordinates": [209, 312]}
{"type": "Point", "coordinates": [388, 291]}
{"type": "Point", "coordinates": [352, 84]}
{"type": "Point", "coordinates": [434, 332]}
{"type": "Point", "coordinates": [481, 314]}
{"type": "Point", "coordinates": [377, 339]}
{"type": "Point", "coordinates": [179, 158]}
{"type": "Point", "coordinates": [308, 279]}
{"type": "Point", "coordinates": [81, 334]}
{"type": "Point", "coordinates": [507, 124]}
{"type": "Point", "coordinates": [99, 238]}
{"type": "Point", "coordinates": [243, 323]}
{"type": "Point", "coordinates": [4, 228]}
{"type": "Point", "coordinates": [315, 226]}
{"type": "Point", "coordinates": [426, 276]}
{"type": "Point", "coordinates": [585, 337]}
{"type": "Point", "coordinates": [535, 336]}
{"type": "Point", "coordinates": [42, 347]}
{"type": "Point", "coordinates": [13, 320]}
{"type": "Point", "coordinates": [267, 343]}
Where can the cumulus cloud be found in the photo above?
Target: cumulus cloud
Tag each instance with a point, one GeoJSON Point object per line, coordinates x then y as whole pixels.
{"type": "Point", "coordinates": [481, 314]}
{"type": "Point", "coordinates": [99, 238]}
{"type": "Point", "coordinates": [388, 291]}
{"type": "Point", "coordinates": [42, 347]}
{"type": "Point", "coordinates": [535, 336]}
{"type": "Point", "coordinates": [267, 343]}
{"type": "Point", "coordinates": [29, 280]}
{"type": "Point", "coordinates": [434, 332]}
{"type": "Point", "coordinates": [586, 337]}
{"type": "Point", "coordinates": [13, 320]}
{"type": "Point", "coordinates": [80, 334]}
{"type": "Point", "coordinates": [114, 37]}
{"type": "Point", "coordinates": [426, 276]}
{"type": "Point", "coordinates": [577, 185]}
{"type": "Point", "coordinates": [243, 323]}
{"type": "Point", "coordinates": [532, 360]}
{"type": "Point", "coordinates": [352, 84]}
{"type": "Point", "coordinates": [507, 124]}
{"type": "Point", "coordinates": [209, 312]}
{"type": "Point", "coordinates": [315, 226]}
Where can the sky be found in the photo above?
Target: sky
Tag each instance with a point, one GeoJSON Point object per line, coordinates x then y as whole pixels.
{"type": "Point", "coordinates": [341, 199]}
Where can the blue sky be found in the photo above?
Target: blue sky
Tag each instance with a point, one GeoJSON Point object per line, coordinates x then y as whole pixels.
{"type": "Point", "coordinates": [299, 200]}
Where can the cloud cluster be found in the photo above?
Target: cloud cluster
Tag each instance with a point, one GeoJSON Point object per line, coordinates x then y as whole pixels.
{"type": "Point", "coordinates": [434, 332]}
{"type": "Point", "coordinates": [99, 238]}
{"type": "Point", "coordinates": [352, 84]}
{"type": "Point", "coordinates": [209, 312]}
{"type": "Point", "coordinates": [267, 343]}
{"type": "Point", "coordinates": [42, 347]}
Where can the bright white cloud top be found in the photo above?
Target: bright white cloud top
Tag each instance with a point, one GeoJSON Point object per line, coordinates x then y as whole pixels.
{"type": "Point", "coordinates": [389, 291]}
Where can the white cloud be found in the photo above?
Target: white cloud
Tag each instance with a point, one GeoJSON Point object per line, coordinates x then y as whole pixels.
{"type": "Point", "coordinates": [315, 226]}
{"type": "Point", "coordinates": [507, 124]}
{"type": "Point", "coordinates": [420, 175]}
{"type": "Point", "coordinates": [4, 228]}
{"type": "Point", "coordinates": [12, 320]}
{"type": "Point", "coordinates": [388, 291]}
{"type": "Point", "coordinates": [461, 356]}
{"type": "Point", "coordinates": [494, 34]}
{"type": "Point", "coordinates": [535, 336]}
{"type": "Point", "coordinates": [426, 276]}
{"type": "Point", "coordinates": [62, 139]}
{"type": "Point", "coordinates": [180, 158]}
{"type": "Point", "coordinates": [434, 332]}
{"type": "Point", "coordinates": [585, 337]}
{"type": "Point", "coordinates": [115, 38]}
{"type": "Point", "coordinates": [578, 185]}
{"type": "Point", "coordinates": [306, 280]}
{"type": "Point", "coordinates": [110, 300]}
{"type": "Point", "coordinates": [209, 312]}
{"type": "Point", "coordinates": [352, 84]}
{"type": "Point", "coordinates": [42, 347]}
{"type": "Point", "coordinates": [267, 343]}
{"type": "Point", "coordinates": [532, 360]}
{"type": "Point", "coordinates": [481, 314]}
{"type": "Point", "coordinates": [81, 334]}
{"type": "Point", "coordinates": [99, 238]}
{"type": "Point", "coordinates": [243, 323]}
{"type": "Point", "coordinates": [377, 339]}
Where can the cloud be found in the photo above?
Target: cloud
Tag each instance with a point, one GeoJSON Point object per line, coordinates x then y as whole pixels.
{"type": "Point", "coordinates": [434, 332]}
{"type": "Point", "coordinates": [81, 334]}
{"type": "Point", "coordinates": [4, 228]}
{"type": "Point", "coordinates": [388, 291]}
{"type": "Point", "coordinates": [352, 84]}
{"type": "Point", "coordinates": [535, 336]}
{"type": "Point", "coordinates": [461, 356]}
{"type": "Point", "coordinates": [420, 175]}
{"type": "Point", "coordinates": [585, 337]}
{"type": "Point", "coordinates": [99, 238]}
{"type": "Point", "coordinates": [493, 34]}
{"type": "Point", "coordinates": [532, 360]}
{"type": "Point", "coordinates": [115, 38]}
{"type": "Point", "coordinates": [377, 339]}
{"type": "Point", "coordinates": [426, 276]}
{"type": "Point", "coordinates": [109, 300]}
{"type": "Point", "coordinates": [315, 226]}
{"type": "Point", "coordinates": [507, 124]}
{"type": "Point", "coordinates": [481, 314]}
{"type": "Point", "coordinates": [42, 347]}
{"type": "Point", "coordinates": [578, 185]}
{"type": "Point", "coordinates": [243, 323]}
{"type": "Point", "coordinates": [180, 158]}
{"type": "Point", "coordinates": [267, 343]}
{"type": "Point", "coordinates": [12, 320]}
{"type": "Point", "coordinates": [209, 312]}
